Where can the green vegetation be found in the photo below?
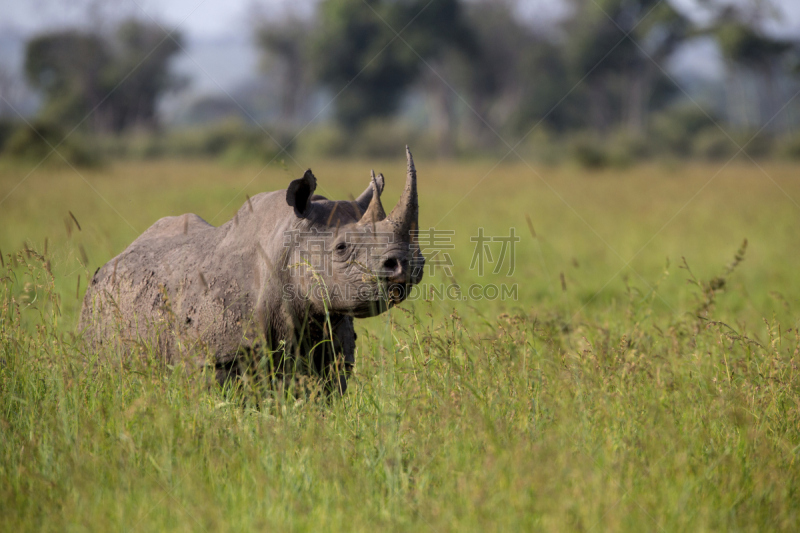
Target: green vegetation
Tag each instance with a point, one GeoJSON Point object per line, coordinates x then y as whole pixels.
{"type": "Point", "coordinates": [645, 379]}
{"type": "Point", "coordinates": [609, 79]}
{"type": "Point", "coordinates": [114, 83]}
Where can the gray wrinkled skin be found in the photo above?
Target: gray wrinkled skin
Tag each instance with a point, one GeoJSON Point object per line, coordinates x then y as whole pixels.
{"type": "Point", "coordinates": [248, 293]}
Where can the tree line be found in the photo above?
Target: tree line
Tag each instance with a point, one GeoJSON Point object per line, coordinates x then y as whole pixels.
{"type": "Point", "coordinates": [479, 67]}
{"type": "Point", "coordinates": [475, 67]}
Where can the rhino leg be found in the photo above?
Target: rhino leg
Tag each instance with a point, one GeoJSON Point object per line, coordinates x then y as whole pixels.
{"type": "Point", "coordinates": [345, 349]}
{"type": "Point", "coordinates": [260, 360]}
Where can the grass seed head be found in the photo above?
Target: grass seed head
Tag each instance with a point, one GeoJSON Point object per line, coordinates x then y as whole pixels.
{"type": "Point", "coordinates": [84, 258]}
{"type": "Point", "coordinates": [75, 220]}
{"type": "Point", "coordinates": [530, 225]}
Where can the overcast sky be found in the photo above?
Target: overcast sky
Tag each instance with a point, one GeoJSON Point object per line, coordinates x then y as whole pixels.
{"type": "Point", "coordinates": [215, 18]}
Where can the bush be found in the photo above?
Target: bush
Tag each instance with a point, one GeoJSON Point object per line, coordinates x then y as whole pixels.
{"type": "Point", "coordinates": [756, 144]}
{"type": "Point", "coordinates": [323, 141]}
{"type": "Point", "coordinates": [788, 147]}
{"type": "Point", "coordinates": [542, 146]}
{"type": "Point", "coordinates": [230, 141]}
{"type": "Point", "coordinates": [7, 128]}
{"type": "Point", "coordinates": [589, 152]}
{"type": "Point", "coordinates": [625, 148]}
{"type": "Point", "coordinates": [380, 138]}
{"type": "Point", "coordinates": [673, 130]}
{"type": "Point", "coordinates": [44, 141]}
{"type": "Point", "coordinates": [713, 145]}
{"type": "Point", "coordinates": [718, 144]}
{"type": "Point", "coordinates": [386, 138]}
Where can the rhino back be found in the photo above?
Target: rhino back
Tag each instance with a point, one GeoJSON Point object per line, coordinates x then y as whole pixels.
{"type": "Point", "coordinates": [175, 287]}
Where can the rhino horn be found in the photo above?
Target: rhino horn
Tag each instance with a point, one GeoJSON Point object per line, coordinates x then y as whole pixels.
{"type": "Point", "coordinates": [405, 214]}
{"type": "Point", "coordinates": [374, 211]}
{"type": "Point", "coordinates": [366, 197]}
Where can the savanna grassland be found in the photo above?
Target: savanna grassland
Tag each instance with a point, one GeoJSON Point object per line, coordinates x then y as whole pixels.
{"type": "Point", "coordinates": [645, 378]}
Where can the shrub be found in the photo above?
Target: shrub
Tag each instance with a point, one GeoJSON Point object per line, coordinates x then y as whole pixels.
{"type": "Point", "coordinates": [589, 152]}
{"type": "Point", "coordinates": [230, 141]}
{"type": "Point", "coordinates": [384, 138]}
{"type": "Point", "coordinates": [713, 145]}
{"type": "Point", "coordinates": [625, 148]}
{"type": "Point", "coordinates": [674, 129]}
{"type": "Point", "coordinates": [788, 147]}
{"type": "Point", "coordinates": [542, 146]}
{"type": "Point", "coordinates": [44, 141]}
{"type": "Point", "coordinates": [757, 144]}
{"type": "Point", "coordinates": [326, 140]}
{"type": "Point", "coordinates": [7, 128]}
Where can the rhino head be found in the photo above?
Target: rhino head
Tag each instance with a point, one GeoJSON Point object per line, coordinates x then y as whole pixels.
{"type": "Point", "coordinates": [349, 257]}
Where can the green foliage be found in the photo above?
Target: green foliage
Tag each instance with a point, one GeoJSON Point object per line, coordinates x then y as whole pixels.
{"type": "Point", "coordinates": [674, 129]}
{"type": "Point", "coordinates": [376, 138]}
{"type": "Point", "coordinates": [67, 67]}
{"type": "Point", "coordinates": [589, 152]}
{"type": "Point", "coordinates": [327, 140]}
{"type": "Point", "coordinates": [513, 75]}
{"type": "Point", "coordinates": [356, 47]}
{"type": "Point", "coordinates": [7, 128]}
{"type": "Point", "coordinates": [789, 147]}
{"type": "Point", "coordinates": [714, 145]}
{"type": "Point", "coordinates": [744, 45]}
{"type": "Point", "coordinates": [620, 149]}
{"type": "Point", "coordinates": [612, 53]}
{"type": "Point", "coordinates": [288, 42]}
{"type": "Point", "coordinates": [229, 141]}
{"type": "Point", "coordinates": [44, 142]}
{"type": "Point", "coordinates": [114, 83]}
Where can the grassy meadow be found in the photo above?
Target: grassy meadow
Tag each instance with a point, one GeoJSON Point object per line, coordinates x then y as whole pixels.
{"type": "Point", "coordinates": [645, 377]}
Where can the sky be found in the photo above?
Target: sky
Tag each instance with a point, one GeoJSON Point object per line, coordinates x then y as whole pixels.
{"type": "Point", "coordinates": [217, 18]}
{"type": "Point", "coordinates": [196, 18]}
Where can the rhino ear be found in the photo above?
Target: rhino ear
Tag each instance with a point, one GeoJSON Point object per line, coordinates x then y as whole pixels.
{"type": "Point", "coordinates": [298, 195]}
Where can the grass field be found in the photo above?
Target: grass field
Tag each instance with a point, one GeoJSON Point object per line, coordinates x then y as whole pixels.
{"type": "Point", "coordinates": [645, 378]}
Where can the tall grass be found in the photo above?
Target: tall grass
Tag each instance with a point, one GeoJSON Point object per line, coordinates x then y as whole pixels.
{"type": "Point", "coordinates": [667, 400]}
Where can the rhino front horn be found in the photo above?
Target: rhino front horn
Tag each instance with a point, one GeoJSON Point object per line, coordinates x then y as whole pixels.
{"type": "Point", "coordinates": [374, 212]}
{"type": "Point", "coordinates": [405, 214]}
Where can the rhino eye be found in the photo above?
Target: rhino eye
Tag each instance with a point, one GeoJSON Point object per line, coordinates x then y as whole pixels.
{"type": "Point", "coordinates": [341, 247]}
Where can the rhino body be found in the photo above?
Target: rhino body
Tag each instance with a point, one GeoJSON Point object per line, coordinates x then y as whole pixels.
{"type": "Point", "coordinates": [251, 292]}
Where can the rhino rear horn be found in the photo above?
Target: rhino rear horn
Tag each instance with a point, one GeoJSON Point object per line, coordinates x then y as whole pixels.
{"type": "Point", "coordinates": [366, 197]}
{"type": "Point", "coordinates": [299, 192]}
{"type": "Point", "coordinates": [374, 211]}
{"type": "Point", "coordinates": [405, 214]}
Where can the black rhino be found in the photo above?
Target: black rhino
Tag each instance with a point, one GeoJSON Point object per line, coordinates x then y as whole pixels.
{"type": "Point", "coordinates": [277, 286]}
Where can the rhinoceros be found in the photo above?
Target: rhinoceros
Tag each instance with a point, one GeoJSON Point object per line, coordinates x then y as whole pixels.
{"type": "Point", "coordinates": [276, 287]}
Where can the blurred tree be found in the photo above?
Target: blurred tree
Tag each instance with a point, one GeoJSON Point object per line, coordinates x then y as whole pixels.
{"type": "Point", "coordinates": [116, 81]}
{"type": "Point", "coordinates": [617, 48]}
{"type": "Point", "coordinates": [286, 41]}
{"type": "Point", "coordinates": [140, 73]}
{"type": "Point", "coordinates": [68, 68]}
{"type": "Point", "coordinates": [514, 76]}
{"type": "Point", "coordinates": [357, 55]}
{"type": "Point", "coordinates": [12, 91]}
{"type": "Point", "coordinates": [747, 49]}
